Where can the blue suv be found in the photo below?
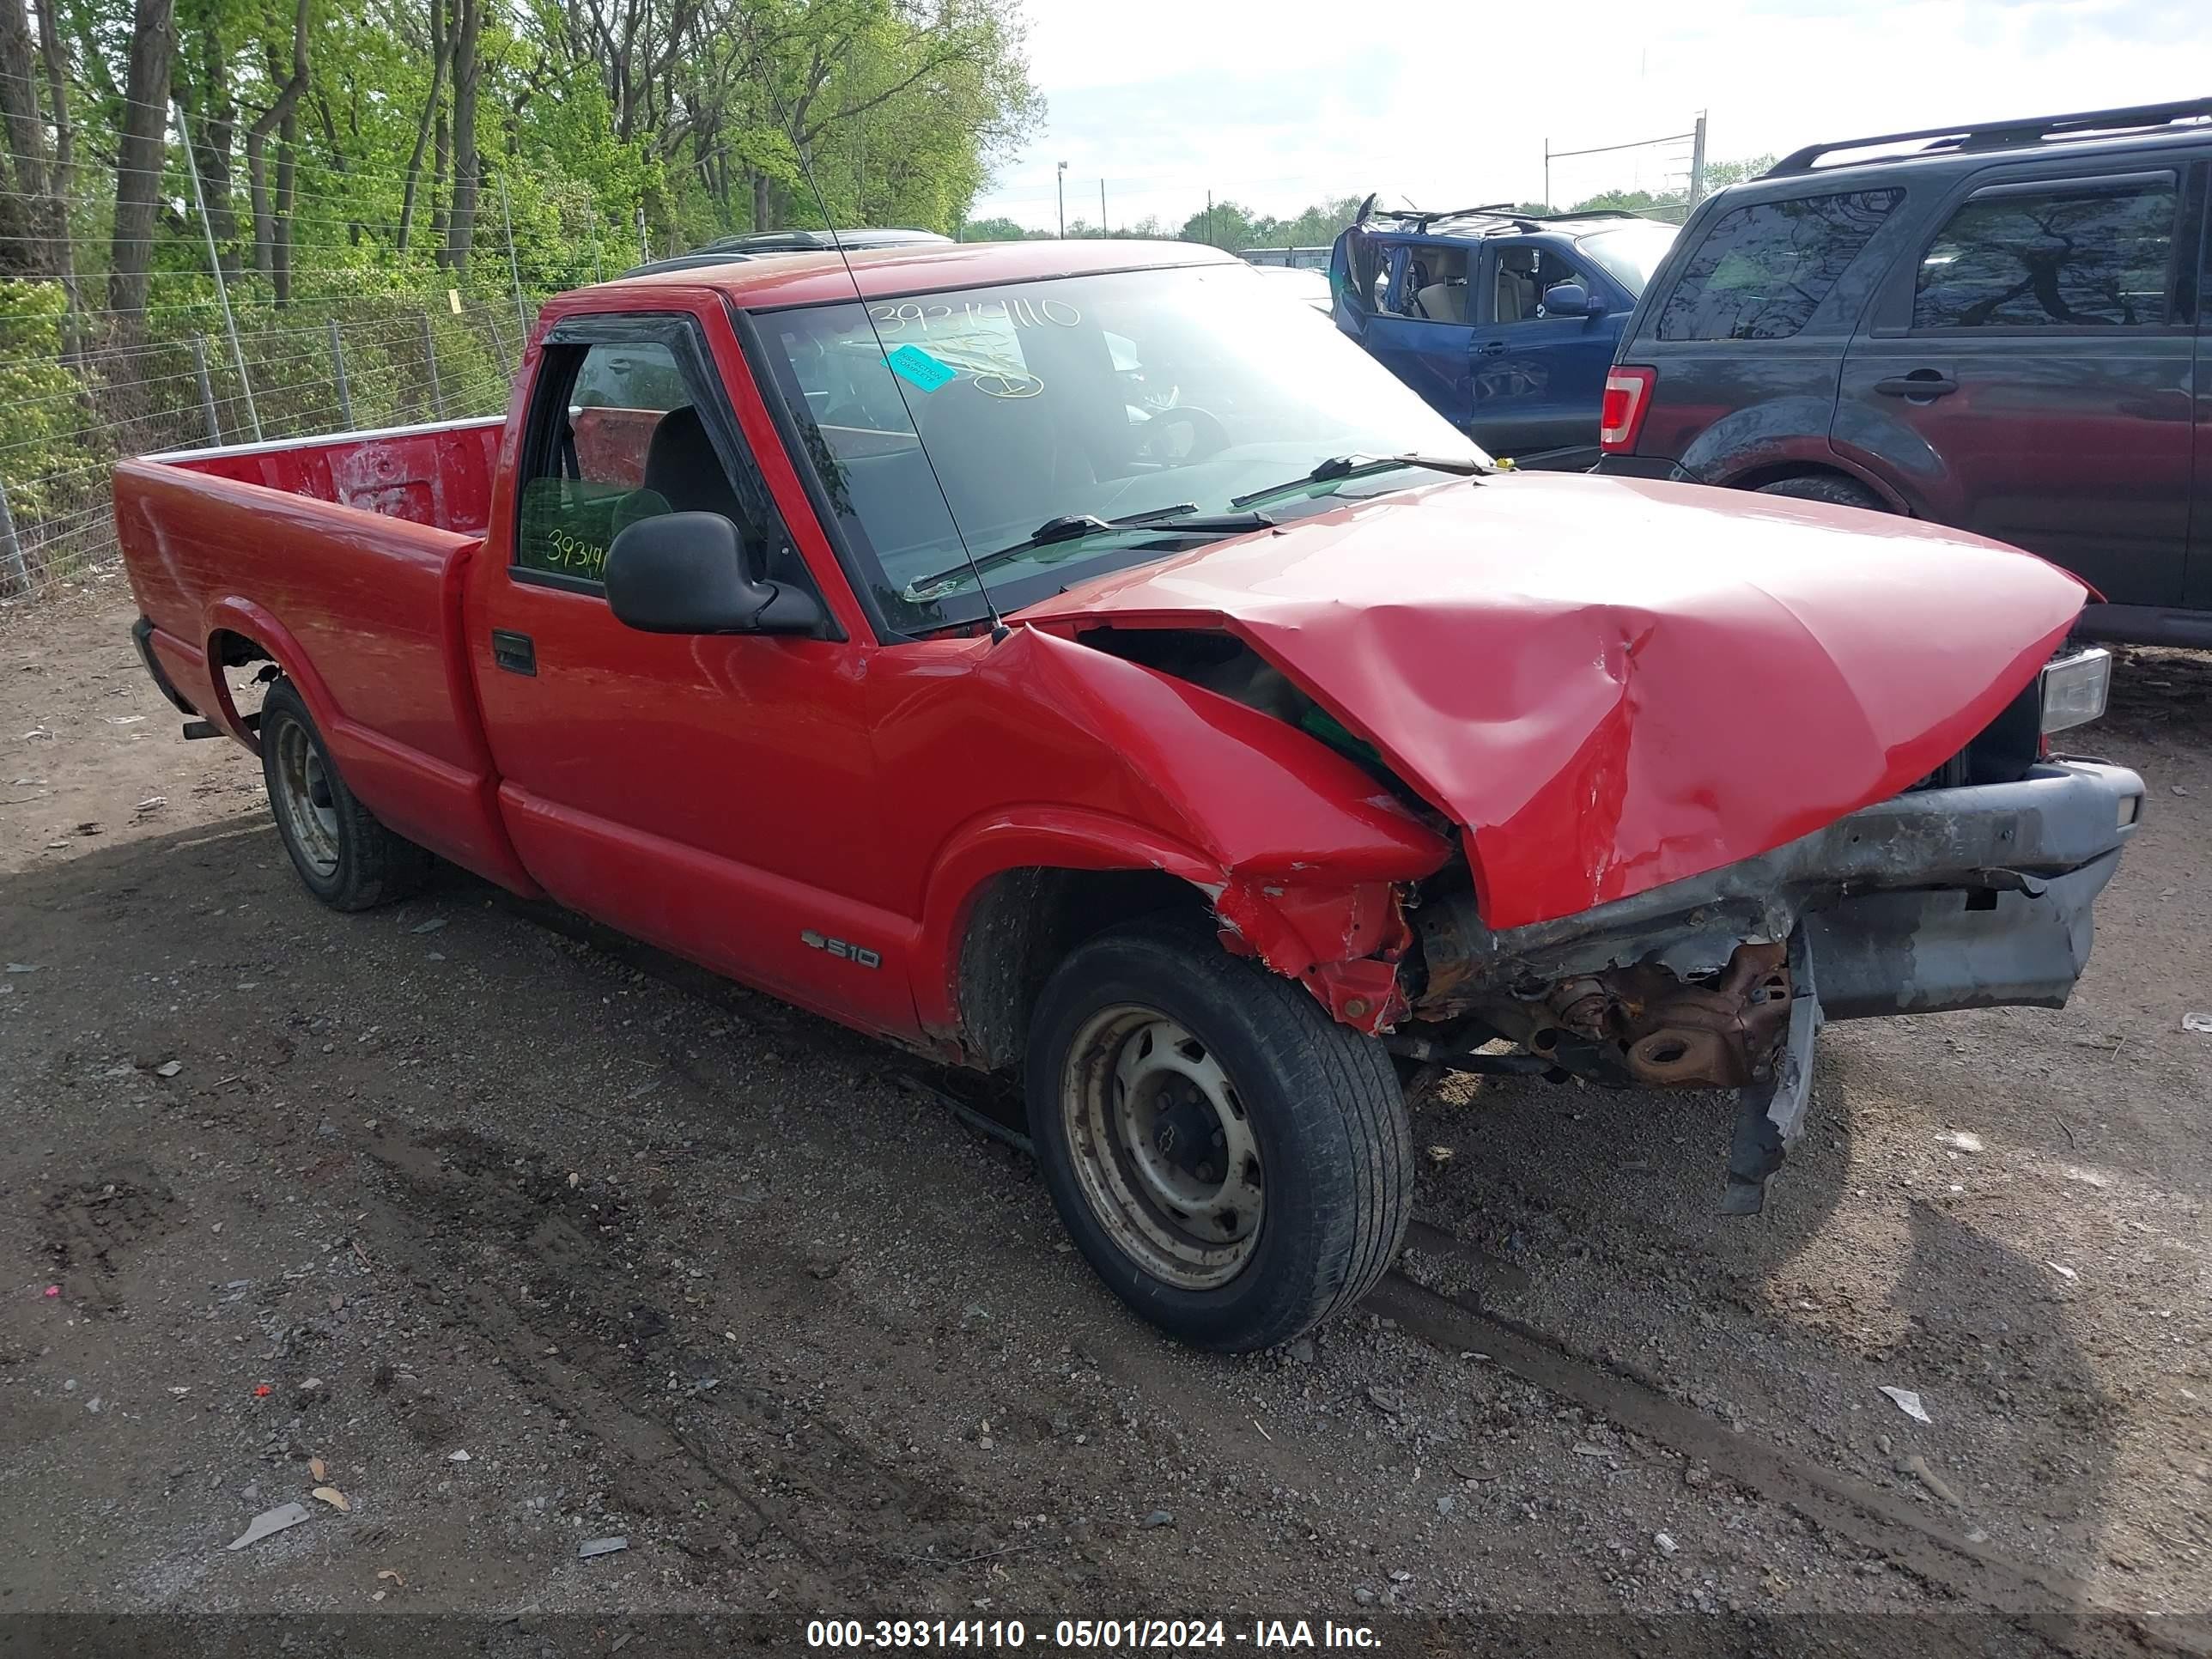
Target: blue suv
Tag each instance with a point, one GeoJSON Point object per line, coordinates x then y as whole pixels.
{"type": "Point", "coordinates": [1506, 324]}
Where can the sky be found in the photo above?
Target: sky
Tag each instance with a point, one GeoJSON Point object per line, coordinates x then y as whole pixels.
{"type": "Point", "coordinates": [1279, 104]}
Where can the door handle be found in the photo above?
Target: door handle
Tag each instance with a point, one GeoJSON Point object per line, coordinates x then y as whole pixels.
{"type": "Point", "coordinates": [1922, 383]}
{"type": "Point", "coordinates": [515, 652]}
{"type": "Point", "coordinates": [1491, 349]}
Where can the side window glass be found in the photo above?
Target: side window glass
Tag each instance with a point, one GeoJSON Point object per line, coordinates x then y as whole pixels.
{"type": "Point", "coordinates": [1763, 268]}
{"type": "Point", "coordinates": [1524, 273]}
{"type": "Point", "coordinates": [2064, 259]}
{"type": "Point", "coordinates": [1434, 286]}
{"type": "Point", "coordinates": [627, 442]}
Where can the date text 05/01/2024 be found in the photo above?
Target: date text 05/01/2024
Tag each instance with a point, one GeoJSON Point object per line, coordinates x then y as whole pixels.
{"type": "Point", "coordinates": [1110, 1635]}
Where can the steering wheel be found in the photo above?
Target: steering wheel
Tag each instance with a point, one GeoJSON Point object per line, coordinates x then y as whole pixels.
{"type": "Point", "coordinates": [1179, 436]}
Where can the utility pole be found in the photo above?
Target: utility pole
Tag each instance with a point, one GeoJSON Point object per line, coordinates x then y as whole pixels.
{"type": "Point", "coordinates": [1548, 175]}
{"type": "Point", "coordinates": [1209, 218]}
{"type": "Point", "coordinates": [1062, 180]}
{"type": "Point", "coordinates": [1102, 207]}
{"type": "Point", "coordinates": [1698, 161]}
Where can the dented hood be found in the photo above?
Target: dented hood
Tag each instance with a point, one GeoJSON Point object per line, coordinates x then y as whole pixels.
{"type": "Point", "coordinates": [1609, 683]}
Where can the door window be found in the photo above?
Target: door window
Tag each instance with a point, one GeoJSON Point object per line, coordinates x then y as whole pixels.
{"type": "Point", "coordinates": [2096, 257]}
{"type": "Point", "coordinates": [1433, 288]}
{"type": "Point", "coordinates": [619, 434]}
{"type": "Point", "coordinates": [1764, 268]}
{"type": "Point", "coordinates": [1522, 274]}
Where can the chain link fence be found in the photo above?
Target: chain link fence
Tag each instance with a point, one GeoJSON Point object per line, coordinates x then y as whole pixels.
{"type": "Point", "coordinates": [364, 364]}
{"type": "Point", "coordinates": [361, 338]}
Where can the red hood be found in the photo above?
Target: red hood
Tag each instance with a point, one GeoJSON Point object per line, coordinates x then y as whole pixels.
{"type": "Point", "coordinates": [1612, 684]}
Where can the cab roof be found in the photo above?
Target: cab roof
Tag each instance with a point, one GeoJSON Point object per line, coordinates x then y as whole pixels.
{"type": "Point", "coordinates": [798, 279]}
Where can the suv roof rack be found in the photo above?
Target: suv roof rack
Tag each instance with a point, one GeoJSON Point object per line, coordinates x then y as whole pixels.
{"type": "Point", "coordinates": [1500, 214]}
{"type": "Point", "coordinates": [2004, 135]}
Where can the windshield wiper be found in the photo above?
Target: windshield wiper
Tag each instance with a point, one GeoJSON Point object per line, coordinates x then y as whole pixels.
{"type": "Point", "coordinates": [1359, 466]}
{"type": "Point", "coordinates": [1181, 518]}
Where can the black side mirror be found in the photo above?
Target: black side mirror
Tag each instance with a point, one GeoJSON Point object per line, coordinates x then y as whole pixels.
{"type": "Point", "coordinates": [684, 572]}
{"type": "Point", "coordinates": [1570, 299]}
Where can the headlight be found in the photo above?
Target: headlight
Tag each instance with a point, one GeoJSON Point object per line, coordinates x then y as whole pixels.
{"type": "Point", "coordinates": [2075, 688]}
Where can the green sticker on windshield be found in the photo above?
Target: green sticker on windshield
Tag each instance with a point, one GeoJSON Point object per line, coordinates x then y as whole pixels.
{"type": "Point", "coordinates": [917, 367]}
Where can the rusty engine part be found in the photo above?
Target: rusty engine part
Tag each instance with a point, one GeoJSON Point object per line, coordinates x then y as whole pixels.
{"type": "Point", "coordinates": [1641, 1023]}
{"type": "Point", "coordinates": [1671, 1033]}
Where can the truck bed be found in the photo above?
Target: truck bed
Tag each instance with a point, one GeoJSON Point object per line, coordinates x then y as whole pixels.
{"type": "Point", "coordinates": [339, 558]}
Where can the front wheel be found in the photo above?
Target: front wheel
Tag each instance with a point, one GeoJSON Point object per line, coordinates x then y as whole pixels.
{"type": "Point", "coordinates": [1234, 1163]}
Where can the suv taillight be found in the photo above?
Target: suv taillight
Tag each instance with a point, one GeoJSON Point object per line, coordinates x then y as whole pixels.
{"type": "Point", "coordinates": [1627, 401]}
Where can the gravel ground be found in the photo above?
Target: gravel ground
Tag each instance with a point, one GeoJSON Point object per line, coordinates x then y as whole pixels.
{"type": "Point", "coordinates": [523, 1239]}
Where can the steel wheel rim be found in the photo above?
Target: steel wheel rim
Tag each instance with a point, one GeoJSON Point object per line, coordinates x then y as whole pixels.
{"type": "Point", "coordinates": [1163, 1147]}
{"type": "Point", "coordinates": [305, 800]}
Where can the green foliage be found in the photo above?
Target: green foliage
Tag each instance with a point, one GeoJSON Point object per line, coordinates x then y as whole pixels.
{"type": "Point", "coordinates": [39, 409]}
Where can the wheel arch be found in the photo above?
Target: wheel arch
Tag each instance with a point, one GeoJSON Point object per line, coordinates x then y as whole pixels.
{"type": "Point", "coordinates": [239, 631]}
{"type": "Point", "coordinates": [1012, 895]}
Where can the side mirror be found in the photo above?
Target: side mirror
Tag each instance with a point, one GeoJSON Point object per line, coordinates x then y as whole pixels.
{"type": "Point", "coordinates": [684, 572]}
{"type": "Point", "coordinates": [1571, 300]}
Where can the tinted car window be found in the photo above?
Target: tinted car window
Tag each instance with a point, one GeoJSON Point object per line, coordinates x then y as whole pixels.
{"type": "Point", "coordinates": [1765, 267]}
{"type": "Point", "coordinates": [2056, 258]}
{"type": "Point", "coordinates": [1630, 254]}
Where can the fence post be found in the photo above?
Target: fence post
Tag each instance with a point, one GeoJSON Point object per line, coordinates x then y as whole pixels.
{"type": "Point", "coordinates": [515, 270]}
{"type": "Point", "coordinates": [207, 389]}
{"type": "Point", "coordinates": [337, 368]}
{"type": "Point", "coordinates": [11, 550]}
{"type": "Point", "coordinates": [430, 362]}
{"type": "Point", "coordinates": [214, 269]}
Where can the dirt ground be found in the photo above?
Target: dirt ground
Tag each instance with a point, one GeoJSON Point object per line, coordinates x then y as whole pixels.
{"type": "Point", "coordinates": [531, 1239]}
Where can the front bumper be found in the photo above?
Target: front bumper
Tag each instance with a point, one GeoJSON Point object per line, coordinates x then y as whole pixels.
{"type": "Point", "coordinates": [1974, 897]}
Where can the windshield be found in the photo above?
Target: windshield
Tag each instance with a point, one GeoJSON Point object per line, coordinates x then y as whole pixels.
{"type": "Point", "coordinates": [1113, 396]}
{"type": "Point", "coordinates": [1630, 254]}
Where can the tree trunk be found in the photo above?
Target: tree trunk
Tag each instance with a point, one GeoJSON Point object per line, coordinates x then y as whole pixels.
{"type": "Point", "coordinates": [278, 115]}
{"type": "Point", "coordinates": [214, 131]}
{"type": "Point", "coordinates": [139, 163]}
{"type": "Point", "coordinates": [460, 230]}
{"type": "Point", "coordinates": [441, 134]}
{"type": "Point", "coordinates": [56, 52]}
{"type": "Point", "coordinates": [761, 202]}
{"type": "Point", "coordinates": [24, 223]}
{"type": "Point", "coordinates": [433, 115]}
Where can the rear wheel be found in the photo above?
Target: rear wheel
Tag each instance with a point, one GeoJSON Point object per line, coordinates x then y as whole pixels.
{"type": "Point", "coordinates": [346, 857]}
{"type": "Point", "coordinates": [1235, 1165]}
{"type": "Point", "coordinates": [1830, 487]}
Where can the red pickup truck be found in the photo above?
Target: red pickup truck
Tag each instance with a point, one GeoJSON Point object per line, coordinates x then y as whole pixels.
{"type": "Point", "coordinates": [1076, 659]}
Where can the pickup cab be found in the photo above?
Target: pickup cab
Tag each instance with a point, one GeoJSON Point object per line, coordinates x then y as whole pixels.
{"type": "Point", "coordinates": [1213, 766]}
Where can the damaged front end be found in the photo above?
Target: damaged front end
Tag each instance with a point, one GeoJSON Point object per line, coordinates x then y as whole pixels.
{"type": "Point", "coordinates": [1956, 894]}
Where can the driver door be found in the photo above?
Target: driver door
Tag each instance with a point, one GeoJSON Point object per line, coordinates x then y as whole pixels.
{"type": "Point", "coordinates": [713, 794]}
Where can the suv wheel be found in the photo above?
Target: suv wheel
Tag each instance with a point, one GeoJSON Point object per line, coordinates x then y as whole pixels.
{"type": "Point", "coordinates": [1234, 1163]}
{"type": "Point", "coordinates": [1830, 487]}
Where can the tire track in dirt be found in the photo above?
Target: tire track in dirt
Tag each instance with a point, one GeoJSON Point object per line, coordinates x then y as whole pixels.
{"type": "Point", "coordinates": [574, 1343]}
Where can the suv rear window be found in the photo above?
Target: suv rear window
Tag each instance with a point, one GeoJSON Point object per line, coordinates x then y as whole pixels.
{"type": "Point", "coordinates": [2094, 257]}
{"type": "Point", "coordinates": [1765, 267]}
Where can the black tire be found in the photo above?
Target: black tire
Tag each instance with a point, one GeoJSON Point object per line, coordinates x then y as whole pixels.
{"type": "Point", "coordinates": [1321, 1102]}
{"type": "Point", "coordinates": [346, 857]}
{"type": "Point", "coordinates": [1830, 486]}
